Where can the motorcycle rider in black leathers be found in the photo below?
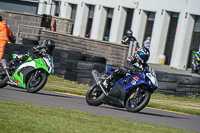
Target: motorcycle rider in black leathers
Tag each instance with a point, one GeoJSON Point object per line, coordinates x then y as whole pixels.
{"type": "Point", "coordinates": [134, 64]}
{"type": "Point", "coordinates": [36, 52]}
{"type": "Point", "coordinates": [128, 38]}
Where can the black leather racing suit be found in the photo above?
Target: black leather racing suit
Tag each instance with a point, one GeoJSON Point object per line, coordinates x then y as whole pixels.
{"type": "Point", "coordinates": [126, 39]}
{"type": "Point", "coordinates": [35, 52]}
{"type": "Point", "coordinates": [133, 64]}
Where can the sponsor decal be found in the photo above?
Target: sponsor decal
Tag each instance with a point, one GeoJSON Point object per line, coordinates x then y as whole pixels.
{"type": "Point", "coordinates": [149, 75]}
{"type": "Point", "coordinates": [133, 82]}
{"type": "Point", "coordinates": [16, 81]}
{"type": "Point", "coordinates": [136, 78]}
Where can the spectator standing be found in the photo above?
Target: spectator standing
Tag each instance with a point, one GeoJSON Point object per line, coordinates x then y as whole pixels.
{"type": "Point", "coordinates": [128, 37]}
{"type": "Point", "coordinates": [5, 33]}
{"type": "Point", "coordinates": [147, 42]}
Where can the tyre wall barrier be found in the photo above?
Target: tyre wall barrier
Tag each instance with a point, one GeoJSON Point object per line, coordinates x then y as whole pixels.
{"type": "Point", "coordinates": [178, 84]}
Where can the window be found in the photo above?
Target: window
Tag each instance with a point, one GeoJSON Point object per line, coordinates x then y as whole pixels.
{"type": "Point", "coordinates": [149, 25]}
{"type": "Point", "coordinates": [90, 20]}
{"type": "Point", "coordinates": [57, 3]}
{"type": "Point", "coordinates": [73, 15]}
{"type": "Point", "coordinates": [108, 24]}
{"type": "Point", "coordinates": [129, 19]}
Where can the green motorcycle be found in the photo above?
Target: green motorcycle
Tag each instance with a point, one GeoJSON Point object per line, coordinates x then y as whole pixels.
{"type": "Point", "coordinates": [30, 74]}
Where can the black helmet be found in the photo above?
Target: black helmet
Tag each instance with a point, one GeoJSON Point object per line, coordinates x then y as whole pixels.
{"type": "Point", "coordinates": [129, 32]}
{"type": "Point", "coordinates": [49, 45]}
{"type": "Point", "coordinates": [143, 54]}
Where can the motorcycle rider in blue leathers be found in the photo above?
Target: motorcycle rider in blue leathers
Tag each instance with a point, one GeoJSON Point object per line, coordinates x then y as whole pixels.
{"type": "Point", "coordinates": [135, 64]}
{"type": "Point", "coordinates": [196, 62]}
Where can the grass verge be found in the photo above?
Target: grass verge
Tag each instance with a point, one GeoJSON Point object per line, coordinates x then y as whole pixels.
{"type": "Point", "coordinates": [16, 117]}
{"type": "Point", "coordinates": [189, 105]}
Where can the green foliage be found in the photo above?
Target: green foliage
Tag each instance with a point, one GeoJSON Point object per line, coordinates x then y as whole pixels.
{"type": "Point", "coordinates": [18, 117]}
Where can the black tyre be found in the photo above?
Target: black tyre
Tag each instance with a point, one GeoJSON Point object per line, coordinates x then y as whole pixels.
{"type": "Point", "coordinates": [56, 59]}
{"type": "Point", "coordinates": [30, 41]}
{"type": "Point", "coordinates": [167, 86]}
{"type": "Point", "coordinates": [166, 77]}
{"type": "Point", "coordinates": [188, 80]}
{"type": "Point", "coordinates": [73, 55]}
{"type": "Point", "coordinates": [85, 74]}
{"type": "Point", "coordinates": [137, 102]}
{"type": "Point", "coordinates": [72, 76]}
{"type": "Point", "coordinates": [34, 85]}
{"type": "Point", "coordinates": [95, 59]}
{"type": "Point", "coordinates": [3, 81]}
{"type": "Point", "coordinates": [59, 71]}
{"type": "Point", "coordinates": [89, 81]}
{"type": "Point", "coordinates": [94, 96]}
{"type": "Point", "coordinates": [165, 92]}
{"type": "Point", "coordinates": [69, 64]}
{"type": "Point", "coordinates": [88, 66]}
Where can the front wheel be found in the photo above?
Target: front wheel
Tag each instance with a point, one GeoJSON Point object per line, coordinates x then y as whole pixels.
{"type": "Point", "coordinates": [35, 84]}
{"type": "Point", "coordinates": [94, 95]}
{"type": "Point", "coordinates": [138, 100]}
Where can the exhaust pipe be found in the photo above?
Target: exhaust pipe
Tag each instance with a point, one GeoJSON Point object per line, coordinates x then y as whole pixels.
{"type": "Point", "coordinates": [96, 76]}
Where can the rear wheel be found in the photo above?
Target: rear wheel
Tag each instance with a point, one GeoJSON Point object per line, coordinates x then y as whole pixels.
{"type": "Point", "coordinates": [3, 78]}
{"type": "Point", "coordinates": [94, 95]}
{"type": "Point", "coordinates": [137, 100]}
{"type": "Point", "coordinates": [35, 84]}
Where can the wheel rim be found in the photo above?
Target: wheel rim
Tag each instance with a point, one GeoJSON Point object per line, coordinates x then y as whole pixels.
{"type": "Point", "coordinates": [33, 83]}
{"type": "Point", "coordinates": [136, 99]}
{"type": "Point", "coordinates": [93, 95]}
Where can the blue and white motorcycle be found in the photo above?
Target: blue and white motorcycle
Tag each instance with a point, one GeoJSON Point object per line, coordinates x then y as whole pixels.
{"type": "Point", "coordinates": [132, 92]}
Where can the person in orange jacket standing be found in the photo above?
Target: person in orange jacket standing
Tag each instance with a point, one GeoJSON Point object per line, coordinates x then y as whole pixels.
{"type": "Point", "coordinates": [5, 33]}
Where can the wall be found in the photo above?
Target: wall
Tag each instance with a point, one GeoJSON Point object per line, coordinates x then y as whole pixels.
{"type": "Point", "coordinates": [114, 53]}
{"type": "Point", "coordinates": [62, 25]}
{"type": "Point", "coordinates": [13, 19]}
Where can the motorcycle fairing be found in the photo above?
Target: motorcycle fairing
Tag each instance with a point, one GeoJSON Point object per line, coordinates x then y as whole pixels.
{"type": "Point", "coordinates": [116, 96]}
{"type": "Point", "coordinates": [109, 69]}
{"type": "Point", "coordinates": [20, 78]}
{"type": "Point", "coordinates": [49, 64]}
{"type": "Point", "coordinates": [131, 81]}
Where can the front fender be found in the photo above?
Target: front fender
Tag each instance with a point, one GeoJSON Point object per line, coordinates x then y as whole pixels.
{"type": "Point", "coordinates": [30, 71]}
{"type": "Point", "coordinates": [23, 72]}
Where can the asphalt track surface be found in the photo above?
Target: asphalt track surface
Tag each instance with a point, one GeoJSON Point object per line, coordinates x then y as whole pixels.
{"type": "Point", "coordinates": [70, 102]}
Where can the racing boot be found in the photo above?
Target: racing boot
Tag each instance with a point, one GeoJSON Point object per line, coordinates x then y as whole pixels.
{"type": "Point", "coordinates": [105, 83]}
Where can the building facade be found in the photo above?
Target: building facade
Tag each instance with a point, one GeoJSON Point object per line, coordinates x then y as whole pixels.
{"type": "Point", "coordinates": [173, 25]}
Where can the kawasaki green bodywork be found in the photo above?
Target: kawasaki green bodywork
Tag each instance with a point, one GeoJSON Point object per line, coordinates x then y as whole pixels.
{"type": "Point", "coordinates": [32, 65]}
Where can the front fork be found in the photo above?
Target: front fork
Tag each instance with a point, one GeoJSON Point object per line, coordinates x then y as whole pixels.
{"type": "Point", "coordinates": [97, 78]}
{"type": "Point", "coordinates": [37, 73]}
{"type": "Point", "coordinates": [136, 93]}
